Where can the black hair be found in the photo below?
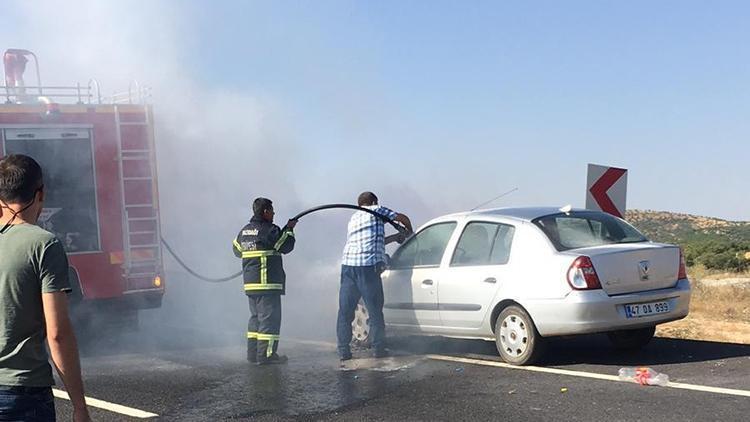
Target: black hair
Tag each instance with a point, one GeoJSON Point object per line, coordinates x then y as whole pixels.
{"type": "Point", "coordinates": [20, 179]}
{"type": "Point", "coordinates": [367, 198]}
{"type": "Point", "coordinates": [260, 205]}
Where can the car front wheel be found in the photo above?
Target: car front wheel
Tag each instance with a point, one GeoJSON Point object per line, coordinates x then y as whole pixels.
{"type": "Point", "coordinates": [361, 327]}
{"type": "Point", "coordinates": [631, 339]}
{"type": "Point", "coordinates": [516, 337]}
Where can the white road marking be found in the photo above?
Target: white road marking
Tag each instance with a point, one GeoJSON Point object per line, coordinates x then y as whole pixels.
{"type": "Point", "coordinates": [324, 344]}
{"type": "Point", "coordinates": [707, 389]}
{"type": "Point", "coordinates": [693, 387]}
{"type": "Point", "coordinates": [112, 407]}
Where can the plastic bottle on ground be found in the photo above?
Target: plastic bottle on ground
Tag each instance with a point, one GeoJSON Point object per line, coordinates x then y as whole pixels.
{"type": "Point", "coordinates": [643, 376]}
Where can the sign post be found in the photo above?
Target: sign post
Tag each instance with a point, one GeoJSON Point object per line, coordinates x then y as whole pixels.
{"type": "Point", "coordinates": [606, 189]}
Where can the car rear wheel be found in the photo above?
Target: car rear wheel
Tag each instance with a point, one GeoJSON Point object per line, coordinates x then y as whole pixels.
{"type": "Point", "coordinates": [516, 337]}
{"type": "Point", "coordinates": [361, 327]}
{"type": "Point", "coordinates": [631, 339]}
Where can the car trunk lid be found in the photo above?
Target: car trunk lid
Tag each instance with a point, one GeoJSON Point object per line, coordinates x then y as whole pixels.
{"type": "Point", "coordinates": [634, 267]}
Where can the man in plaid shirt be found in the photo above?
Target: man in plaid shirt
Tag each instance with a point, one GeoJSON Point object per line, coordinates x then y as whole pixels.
{"type": "Point", "coordinates": [361, 266]}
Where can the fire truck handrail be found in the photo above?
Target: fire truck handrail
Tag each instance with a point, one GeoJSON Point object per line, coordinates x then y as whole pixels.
{"type": "Point", "coordinates": [127, 97]}
{"type": "Point", "coordinates": [139, 95]}
{"type": "Point", "coordinates": [22, 95]}
{"type": "Point", "coordinates": [47, 87]}
{"type": "Point", "coordinates": [95, 83]}
{"type": "Point", "coordinates": [88, 94]}
{"type": "Point", "coordinates": [137, 89]}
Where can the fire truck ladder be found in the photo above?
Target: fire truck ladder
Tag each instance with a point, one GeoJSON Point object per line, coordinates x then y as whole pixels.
{"type": "Point", "coordinates": [140, 219]}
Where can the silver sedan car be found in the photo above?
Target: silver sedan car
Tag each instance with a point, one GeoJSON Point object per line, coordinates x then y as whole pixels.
{"type": "Point", "coordinates": [517, 276]}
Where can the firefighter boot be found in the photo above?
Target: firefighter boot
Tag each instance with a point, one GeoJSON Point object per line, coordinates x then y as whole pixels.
{"type": "Point", "coordinates": [273, 360]}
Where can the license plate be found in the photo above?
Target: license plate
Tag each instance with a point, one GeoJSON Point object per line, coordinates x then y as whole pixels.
{"type": "Point", "coordinates": [637, 310]}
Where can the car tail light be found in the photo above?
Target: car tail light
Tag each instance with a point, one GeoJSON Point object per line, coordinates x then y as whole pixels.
{"type": "Point", "coordinates": [682, 273]}
{"type": "Point", "coordinates": [582, 275]}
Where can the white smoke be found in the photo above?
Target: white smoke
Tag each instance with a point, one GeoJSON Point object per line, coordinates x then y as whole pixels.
{"type": "Point", "coordinates": [218, 148]}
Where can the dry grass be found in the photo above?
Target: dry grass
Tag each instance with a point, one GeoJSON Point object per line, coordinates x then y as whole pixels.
{"type": "Point", "coordinates": [700, 273]}
{"type": "Point", "coordinates": [719, 309]}
{"type": "Point", "coordinates": [722, 300]}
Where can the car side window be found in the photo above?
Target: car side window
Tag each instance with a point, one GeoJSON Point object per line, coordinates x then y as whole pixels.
{"type": "Point", "coordinates": [502, 245]}
{"type": "Point", "coordinates": [483, 244]}
{"type": "Point", "coordinates": [426, 248]}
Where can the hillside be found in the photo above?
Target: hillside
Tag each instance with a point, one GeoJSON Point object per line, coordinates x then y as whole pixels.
{"type": "Point", "coordinates": [711, 242]}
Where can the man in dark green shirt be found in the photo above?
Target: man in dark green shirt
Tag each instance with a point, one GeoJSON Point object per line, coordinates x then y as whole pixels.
{"type": "Point", "coordinates": [33, 302]}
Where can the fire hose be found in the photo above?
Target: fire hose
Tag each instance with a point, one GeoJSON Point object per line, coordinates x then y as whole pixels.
{"type": "Point", "coordinates": [396, 225]}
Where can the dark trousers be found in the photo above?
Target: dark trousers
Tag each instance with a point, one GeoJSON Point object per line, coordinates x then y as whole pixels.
{"type": "Point", "coordinates": [356, 282]}
{"type": "Point", "coordinates": [264, 326]}
{"type": "Point", "coordinates": [30, 404]}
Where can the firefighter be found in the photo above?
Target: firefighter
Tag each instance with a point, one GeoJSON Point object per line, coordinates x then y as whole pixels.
{"type": "Point", "coordinates": [14, 63]}
{"type": "Point", "coordinates": [260, 244]}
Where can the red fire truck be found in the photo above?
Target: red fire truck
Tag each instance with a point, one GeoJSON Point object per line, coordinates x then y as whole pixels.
{"type": "Point", "coordinates": [99, 169]}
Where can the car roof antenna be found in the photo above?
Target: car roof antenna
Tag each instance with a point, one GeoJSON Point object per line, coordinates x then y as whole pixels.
{"type": "Point", "coordinates": [494, 199]}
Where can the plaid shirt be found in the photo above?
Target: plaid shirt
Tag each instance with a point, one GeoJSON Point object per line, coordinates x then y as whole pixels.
{"type": "Point", "coordinates": [365, 240]}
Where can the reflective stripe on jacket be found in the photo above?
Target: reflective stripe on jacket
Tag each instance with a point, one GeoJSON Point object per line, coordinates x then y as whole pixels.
{"type": "Point", "coordinates": [260, 244]}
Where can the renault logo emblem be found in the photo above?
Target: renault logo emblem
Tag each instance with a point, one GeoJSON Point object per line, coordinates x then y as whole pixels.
{"type": "Point", "coordinates": [643, 268]}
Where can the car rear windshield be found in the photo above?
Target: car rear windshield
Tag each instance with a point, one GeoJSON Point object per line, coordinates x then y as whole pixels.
{"type": "Point", "coordinates": [583, 229]}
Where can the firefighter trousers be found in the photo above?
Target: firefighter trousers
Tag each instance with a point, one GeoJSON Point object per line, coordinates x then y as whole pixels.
{"type": "Point", "coordinates": [264, 326]}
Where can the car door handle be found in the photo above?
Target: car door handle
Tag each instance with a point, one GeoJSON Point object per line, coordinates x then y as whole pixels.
{"type": "Point", "coordinates": [491, 280]}
{"type": "Point", "coordinates": [427, 282]}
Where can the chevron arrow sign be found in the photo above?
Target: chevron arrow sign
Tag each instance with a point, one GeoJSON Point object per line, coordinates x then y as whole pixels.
{"type": "Point", "coordinates": [606, 189]}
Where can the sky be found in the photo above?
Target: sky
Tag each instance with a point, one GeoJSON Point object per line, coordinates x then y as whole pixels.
{"type": "Point", "coordinates": [435, 106]}
{"type": "Point", "coordinates": [465, 100]}
{"type": "Point", "coordinates": [453, 102]}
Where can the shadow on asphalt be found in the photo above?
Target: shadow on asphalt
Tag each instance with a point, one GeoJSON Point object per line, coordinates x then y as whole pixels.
{"type": "Point", "coordinates": [106, 340]}
{"type": "Point", "coordinates": [588, 349]}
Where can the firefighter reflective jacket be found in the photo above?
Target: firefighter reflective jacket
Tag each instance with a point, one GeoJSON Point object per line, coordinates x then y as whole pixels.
{"type": "Point", "coordinates": [260, 245]}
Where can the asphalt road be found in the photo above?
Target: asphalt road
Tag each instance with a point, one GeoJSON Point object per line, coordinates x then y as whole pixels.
{"type": "Point", "coordinates": [188, 379]}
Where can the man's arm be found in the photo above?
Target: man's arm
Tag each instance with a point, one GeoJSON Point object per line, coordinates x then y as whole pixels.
{"type": "Point", "coordinates": [64, 351]}
{"type": "Point", "coordinates": [236, 247]}
{"type": "Point", "coordinates": [398, 237]}
{"type": "Point", "coordinates": [285, 242]}
{"type": "Point", "coordinates": [403, 219]}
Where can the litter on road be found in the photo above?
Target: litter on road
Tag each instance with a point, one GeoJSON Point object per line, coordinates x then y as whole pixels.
{"type": "Point", "coordinates": [643, 376]}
